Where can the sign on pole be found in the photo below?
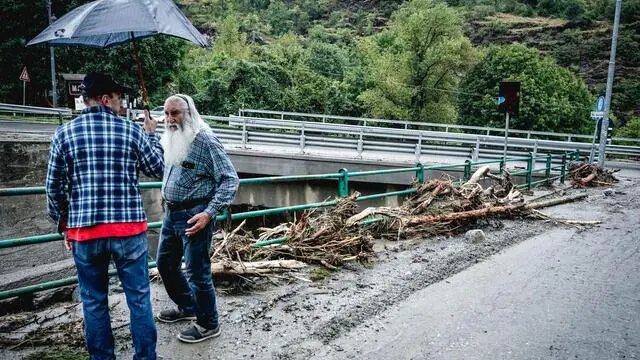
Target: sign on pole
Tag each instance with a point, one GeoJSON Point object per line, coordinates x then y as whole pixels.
{"type": "Point", "coordinates": [24, 77]}
{"type": "Point", "coordinates": [600, 104]}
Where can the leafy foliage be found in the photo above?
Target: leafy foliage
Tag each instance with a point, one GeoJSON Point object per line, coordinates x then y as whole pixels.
{"type": "Point", "coordinates": [423, 53]}
{"type": "Point", "coordinates": [553, 98]}
{"type": "Point", "coordinates": [160, 56]}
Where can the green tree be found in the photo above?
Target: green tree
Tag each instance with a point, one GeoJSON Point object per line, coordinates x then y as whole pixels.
{"type": "Point", "coordinates": [417, 62]}
{"type": "Point", "coordinates": [552, 97]}
{"type": "Point", "coordinates": [631, 130]}
{"type": "Point", "coordinates": [23, 20]}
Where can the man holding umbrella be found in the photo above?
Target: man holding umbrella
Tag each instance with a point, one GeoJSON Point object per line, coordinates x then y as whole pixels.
{"type": "Point", "coordinates": [93, 196]}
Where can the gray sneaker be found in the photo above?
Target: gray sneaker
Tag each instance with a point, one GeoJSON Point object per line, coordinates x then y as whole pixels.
{"type": "Point", "coordinates": [174, 315]}
{"type": "Point", "coordinates": [197, 333]}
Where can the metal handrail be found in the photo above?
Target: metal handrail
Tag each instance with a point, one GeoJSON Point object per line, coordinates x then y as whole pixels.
{"type": "Point", "coordinates": [21, 109]}
{"type": "Point", "coordinates": [371, 122]}
{"type": "Point", "coordinates": [343, 190]}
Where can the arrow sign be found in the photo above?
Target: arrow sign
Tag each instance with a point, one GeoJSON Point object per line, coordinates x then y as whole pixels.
{"type": "Point", "coordinates": [501, 99]}
{"type": "Point", "coordinates": [24, 76]}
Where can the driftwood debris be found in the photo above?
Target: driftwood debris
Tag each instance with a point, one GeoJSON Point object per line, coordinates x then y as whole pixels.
{"type": "Point", "coordinates": [584, 174]}
{"type": "Point", "coordinates": [227, 267]}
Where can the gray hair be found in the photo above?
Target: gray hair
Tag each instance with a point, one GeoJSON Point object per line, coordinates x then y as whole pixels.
{"type": "Point", "coordinates": [191, 115]}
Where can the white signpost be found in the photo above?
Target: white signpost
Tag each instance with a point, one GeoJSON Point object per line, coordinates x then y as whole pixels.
{"type": "Point", "coordinates": [24, 77]}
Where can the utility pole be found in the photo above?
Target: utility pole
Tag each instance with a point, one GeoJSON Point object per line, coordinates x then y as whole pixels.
{"type": "Point", "coordinates": [54, 95]}
{"type": "Point", "coordinates": [607, 97]}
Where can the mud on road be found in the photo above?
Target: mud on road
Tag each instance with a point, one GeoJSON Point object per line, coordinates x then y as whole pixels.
{"type": "Point", "coordinates": [291, 317]}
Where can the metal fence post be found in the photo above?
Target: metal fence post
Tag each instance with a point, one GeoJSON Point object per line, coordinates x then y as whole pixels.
{"type": "Point", "coordinates": [420, 174]}
{"type": "Point", "coordinates": [244, 133]}
{"type": "Point", "coordinates": [563, 170]}
{"type": "Point", "coordinates": [360, 145]}
{"type": "Point", "coordinates": [502, 163]}
{"type": "Point", "coordinates": [577, 154]}
{"type": "Point", "coordinates": [476, 150]}
{"type": "Point", "coordinates": [529, 170]}
{"type": "Point", "coordinates": [467, 170]}
{"type": "Point", "coordinates": [302, 140]}
{"type": "Point", "coordinates": [343, 183]}
{"type": "Point", "coordinates": [418, 151]}
{"type": "Point", "coordinates": [547, 173]}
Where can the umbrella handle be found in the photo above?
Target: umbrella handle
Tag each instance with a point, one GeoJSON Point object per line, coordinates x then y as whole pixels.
{"type": "Point", "coordinates": [136, 54]}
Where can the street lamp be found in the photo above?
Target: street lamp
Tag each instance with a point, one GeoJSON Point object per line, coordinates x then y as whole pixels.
{"type": "Point", "coordinates": [54, 95]}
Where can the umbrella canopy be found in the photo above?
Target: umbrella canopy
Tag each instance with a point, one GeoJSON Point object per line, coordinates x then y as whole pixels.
{"type": "Point", "coordinates": [105, 23]}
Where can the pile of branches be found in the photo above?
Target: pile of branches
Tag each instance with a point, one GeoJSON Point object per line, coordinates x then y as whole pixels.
{"type": "Point", "coordinates": [584, 174]}
{"type": "Point", "coordinates": [318, 236]}
{"type": "Point", "coordinates": [440, 207]}
{"type": "Point", "coordinates": [333, 236]}
{"type": "Point", "coordinates": [336, 235]}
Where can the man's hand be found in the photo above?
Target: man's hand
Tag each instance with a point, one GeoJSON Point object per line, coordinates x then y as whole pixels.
{"type": "Point", "coordinates": [150, 124]}
{"type": "Point", "coordinates": [67, 242]}
{"type": "Point", "coordinates": [199, 221]}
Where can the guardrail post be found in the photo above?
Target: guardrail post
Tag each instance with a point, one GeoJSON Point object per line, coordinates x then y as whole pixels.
{"type": "Point", "coordinates": [476, 150]}
{"type": "Point", "coordinates": [343, 183]}
{"type": "Point", "coordinates": [467, 170]}
{"type": "Point", "coordinates": [547, 172]}
{"type": "Point", "coordinates": [530, 166]}
{"type": "Point", "coordinates": [418, 151]}
{"type": "Point", "coordinates": [535, 148]}
{"type": "Point", "coordinates": [577, 154]}
{"type": "Point", "coordinates": [563, 169]}
{"type": "Point", "coordinates": [302, 139]}
{"type": "Point", "coordinates": [60, 118]}
{"type": "Point", "coordinates": [420, 174]}
{"type": "Point", "coordinates": [501, 166]}
{"type": "Point", "coordinates": [244, 133]}
{"type": "Point", "coordinates": [360, 145]}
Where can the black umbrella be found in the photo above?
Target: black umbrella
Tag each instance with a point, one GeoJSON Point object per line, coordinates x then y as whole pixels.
{"type": "Point", "coordinates": [106, 23]}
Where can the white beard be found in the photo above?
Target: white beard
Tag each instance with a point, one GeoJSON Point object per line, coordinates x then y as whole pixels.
{"type": "Point", "coordinates": [176, 144]}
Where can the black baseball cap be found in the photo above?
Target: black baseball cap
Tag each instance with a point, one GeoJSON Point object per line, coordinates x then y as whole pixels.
{"type": "Point", "coordinates": [97, 84]}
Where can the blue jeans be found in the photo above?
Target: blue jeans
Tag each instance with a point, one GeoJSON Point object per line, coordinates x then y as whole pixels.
{"type": "Point", "coordinates": [193, 293]}
{"type": "Point", "coordinates": [92, 263]}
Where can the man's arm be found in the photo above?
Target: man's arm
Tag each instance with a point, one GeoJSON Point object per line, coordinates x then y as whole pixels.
{"type": "Point", "coordinates": [57, 186]}
{"type": "Point", "coordinates": [225, 176]}
{"type": "Point", "coordinates": [151, 155]}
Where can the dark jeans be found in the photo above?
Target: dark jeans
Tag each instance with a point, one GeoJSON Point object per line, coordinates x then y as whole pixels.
{"type": "Point", "coordinates": [92, 262]}
{"type": "Point", "coordinates": [193, 293]}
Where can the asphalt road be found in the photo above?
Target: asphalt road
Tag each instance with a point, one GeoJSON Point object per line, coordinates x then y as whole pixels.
{"type": "Point", "coordinates": [565, 294]}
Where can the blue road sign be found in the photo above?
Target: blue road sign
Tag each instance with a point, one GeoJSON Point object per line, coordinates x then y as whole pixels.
{"type": "Point", "coordinates": [600, 104]}
{"type": "Point", "coordinates": [501, 99]}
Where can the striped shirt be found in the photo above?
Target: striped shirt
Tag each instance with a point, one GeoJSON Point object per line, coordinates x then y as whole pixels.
{"type": "Point", "coordinates": [93, 169]}
{"type": "Point", "coordinates": [206, 173]}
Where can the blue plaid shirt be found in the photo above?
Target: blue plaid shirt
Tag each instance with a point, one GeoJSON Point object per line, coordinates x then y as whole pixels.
{"type": "Point", "coordinates": [93, 169]}
{"type": "Point", "coordinates": [206, 173]}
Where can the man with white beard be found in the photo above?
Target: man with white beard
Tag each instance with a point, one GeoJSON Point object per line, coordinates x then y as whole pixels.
{"type": "Point", "coordinates": [199, 183]}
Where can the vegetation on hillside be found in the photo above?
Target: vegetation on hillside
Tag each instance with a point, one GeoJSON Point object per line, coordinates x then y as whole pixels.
{"type": "Point", "coordinates": [393, 59]}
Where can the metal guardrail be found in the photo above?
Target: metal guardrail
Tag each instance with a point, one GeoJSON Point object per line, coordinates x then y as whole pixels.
{"type": "Point", "coordinates": [34, 110]}
{"type": "Point", "coordinates": [551, 173]}
{"type": "Point", "coordinates": [392, 140]}
{"type": "Point", "coordinates": [406, 124]}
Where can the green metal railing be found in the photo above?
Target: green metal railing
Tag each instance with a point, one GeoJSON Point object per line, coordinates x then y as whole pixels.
{"type": "Point", "coordinates": [342, 177]}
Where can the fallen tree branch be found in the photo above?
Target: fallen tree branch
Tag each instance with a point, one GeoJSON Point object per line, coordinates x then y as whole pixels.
{"type": "Point", "coordinates": [557, 201]}
{"type": "Point", "coordinates": [249, 268]}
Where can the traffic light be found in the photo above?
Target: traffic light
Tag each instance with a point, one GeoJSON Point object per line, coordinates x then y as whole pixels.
{"type": "Point", "coordinates": [509, 100]}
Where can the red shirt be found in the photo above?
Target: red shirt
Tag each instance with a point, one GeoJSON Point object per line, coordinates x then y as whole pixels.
{"type": "Point", "coordinates": [107, 230]}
